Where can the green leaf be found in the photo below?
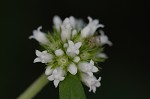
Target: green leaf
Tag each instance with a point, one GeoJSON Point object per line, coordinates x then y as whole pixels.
{"type": "Point", "coordinates": [71, 88]}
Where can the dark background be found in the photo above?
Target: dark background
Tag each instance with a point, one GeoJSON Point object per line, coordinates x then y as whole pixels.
{"type": "Point", "coordinates": [125, 75]}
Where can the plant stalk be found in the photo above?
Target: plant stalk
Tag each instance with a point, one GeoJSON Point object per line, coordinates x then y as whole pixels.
{"type": "Point", "coordinates": [34, 88]}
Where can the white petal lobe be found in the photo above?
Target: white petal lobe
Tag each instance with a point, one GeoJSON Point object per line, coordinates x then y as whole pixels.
{"type": "Point", "coordinates": [72, 69]}
{"type": "Point", "coordinates": [48, 71]}
{"type": "Point", "coordinates": [56, 82]}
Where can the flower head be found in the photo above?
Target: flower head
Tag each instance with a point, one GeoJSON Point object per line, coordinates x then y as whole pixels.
{"type": "Point", "coordinates": [72, 47]}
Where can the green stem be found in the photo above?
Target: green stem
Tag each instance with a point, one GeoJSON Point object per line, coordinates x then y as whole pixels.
{"type": "Point", "coordinates": [34, 88]}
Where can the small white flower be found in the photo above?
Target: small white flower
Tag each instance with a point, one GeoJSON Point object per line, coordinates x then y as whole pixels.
{"type": "Point", "coordinates": [76, 23]}
{"type": "Point", "coordinates": [90, 29]}
{"type": "Point", "coordinates": [88, 68]}
{"type": "Point", "coordinates": [48, 70]}
{"type": "Point", "coordinates": [66, 30]}
{"type": "Point", "coordinates": [43, 57]}
{"type": "Point", "coordinates": [90, 81]}
{"type": "Point", "coordinates": [57, 22]}
{"type": "Point", "coordinates": [72, 69]}
{"type": "Point", "coordinates": [104, 39]}
{"type": "Point", "coordinates": [76, 59]}
{"type": "Point", "coordinates": [57, 76]}
{"type": "Point", "coordinates": [39, 36]}
{"type": "Point", "coordinates": [59, 52]}
{"type": "Point", "coordinates": [73, 49]}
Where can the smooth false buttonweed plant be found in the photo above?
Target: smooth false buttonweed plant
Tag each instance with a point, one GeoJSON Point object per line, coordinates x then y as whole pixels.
{"type": "Point", "coordinates": [72, 47]}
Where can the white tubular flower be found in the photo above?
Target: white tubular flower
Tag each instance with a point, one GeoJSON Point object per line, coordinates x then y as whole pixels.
{"type": "Point", "coordinates": [57, 76]}
{"type": "Point", "coordinates": [66, 30]}
{"type": "Point", "coordinates": [57, 22]}
{"type": "Point", "coordinates": [48, 70]}
{"type": "Point", "coordinates": [90, 81]}
{"type": "Point", "coordinates": [104, 39]}
{"type": "Point", "coordinates": [76, 23]}
{"type": "Point", "coordinates": [43, 57]}
{"type": "Point", "coordinates": [59, 52]}
{"type": "Point", "coordinates": [73, 49]}
{"type": "Point", "coordinates": [72, 22]}
{"type": "Point", "coordinates": [90, 29]}
{"type": "Point", "coordinates": [88, 68]}
{"type": "Point", "coordinates": [39, 36]}
{"type": "Point", "coordinates": [72, 69]}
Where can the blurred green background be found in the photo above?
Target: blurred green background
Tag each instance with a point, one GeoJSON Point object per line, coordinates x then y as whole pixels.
{"type": "Point", "coordinates": [125, 75]}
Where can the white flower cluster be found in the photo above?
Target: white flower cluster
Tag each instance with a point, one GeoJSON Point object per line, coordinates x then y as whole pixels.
{"type": "Point", "coordinates": [72, 47]}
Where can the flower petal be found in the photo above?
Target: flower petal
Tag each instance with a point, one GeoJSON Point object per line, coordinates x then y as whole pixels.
{"type": "Point", "coordinates": [56, 82]}
{"type": "Point", "coordinates": [61, 78]}
{"type": "Point", "coordinates": [68, 49]}
{"type": "Point", "coordinates": [57, 22]}
{"type": "Point", "coordinates": [85, 32]}
{"type": "Point", "coordinates": [91, 62]}
{"type": "Point", "coordinates": [59, 52]}
{"type": "Point", "coordinates": [94, 69]}
{"type": "Point", "coordinates": [74, 32]}
{"type": "Point", "coordinates": [83, 66]}
{"type": "Point", "coordinates": [98, 84]}
{"type": "Point", "coordinates": [48, 71]}
{"type": "Point", "coordinates": [78, 45]}
{"type": "Point", "coordinates": [77, 52]}
{"type": "Point", "coordinates": [37, 52]}
{"type": "Point", "coordinates": [72, 21]}
{"type": "Point", "coordinates": [99, 79]}
{"type": "Point", "coordinates": [102, 55]}
{"type": "Point", "coordinates": [55, 72]}
{"type": "Point", "coordinates": [36, 60]}
{"type": "Point", "coordinates": [90, 73]}
{"type": "Point", "coordinates": [51, 78]}
{"type": "Point", "coordinates": [72, 69]}
{"type": "Point", "coordinates": [94, 89]}
{"type": "Point", "coordinates": [70, 43]}
{"type": "Point", "coordinates": [66, 30]}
